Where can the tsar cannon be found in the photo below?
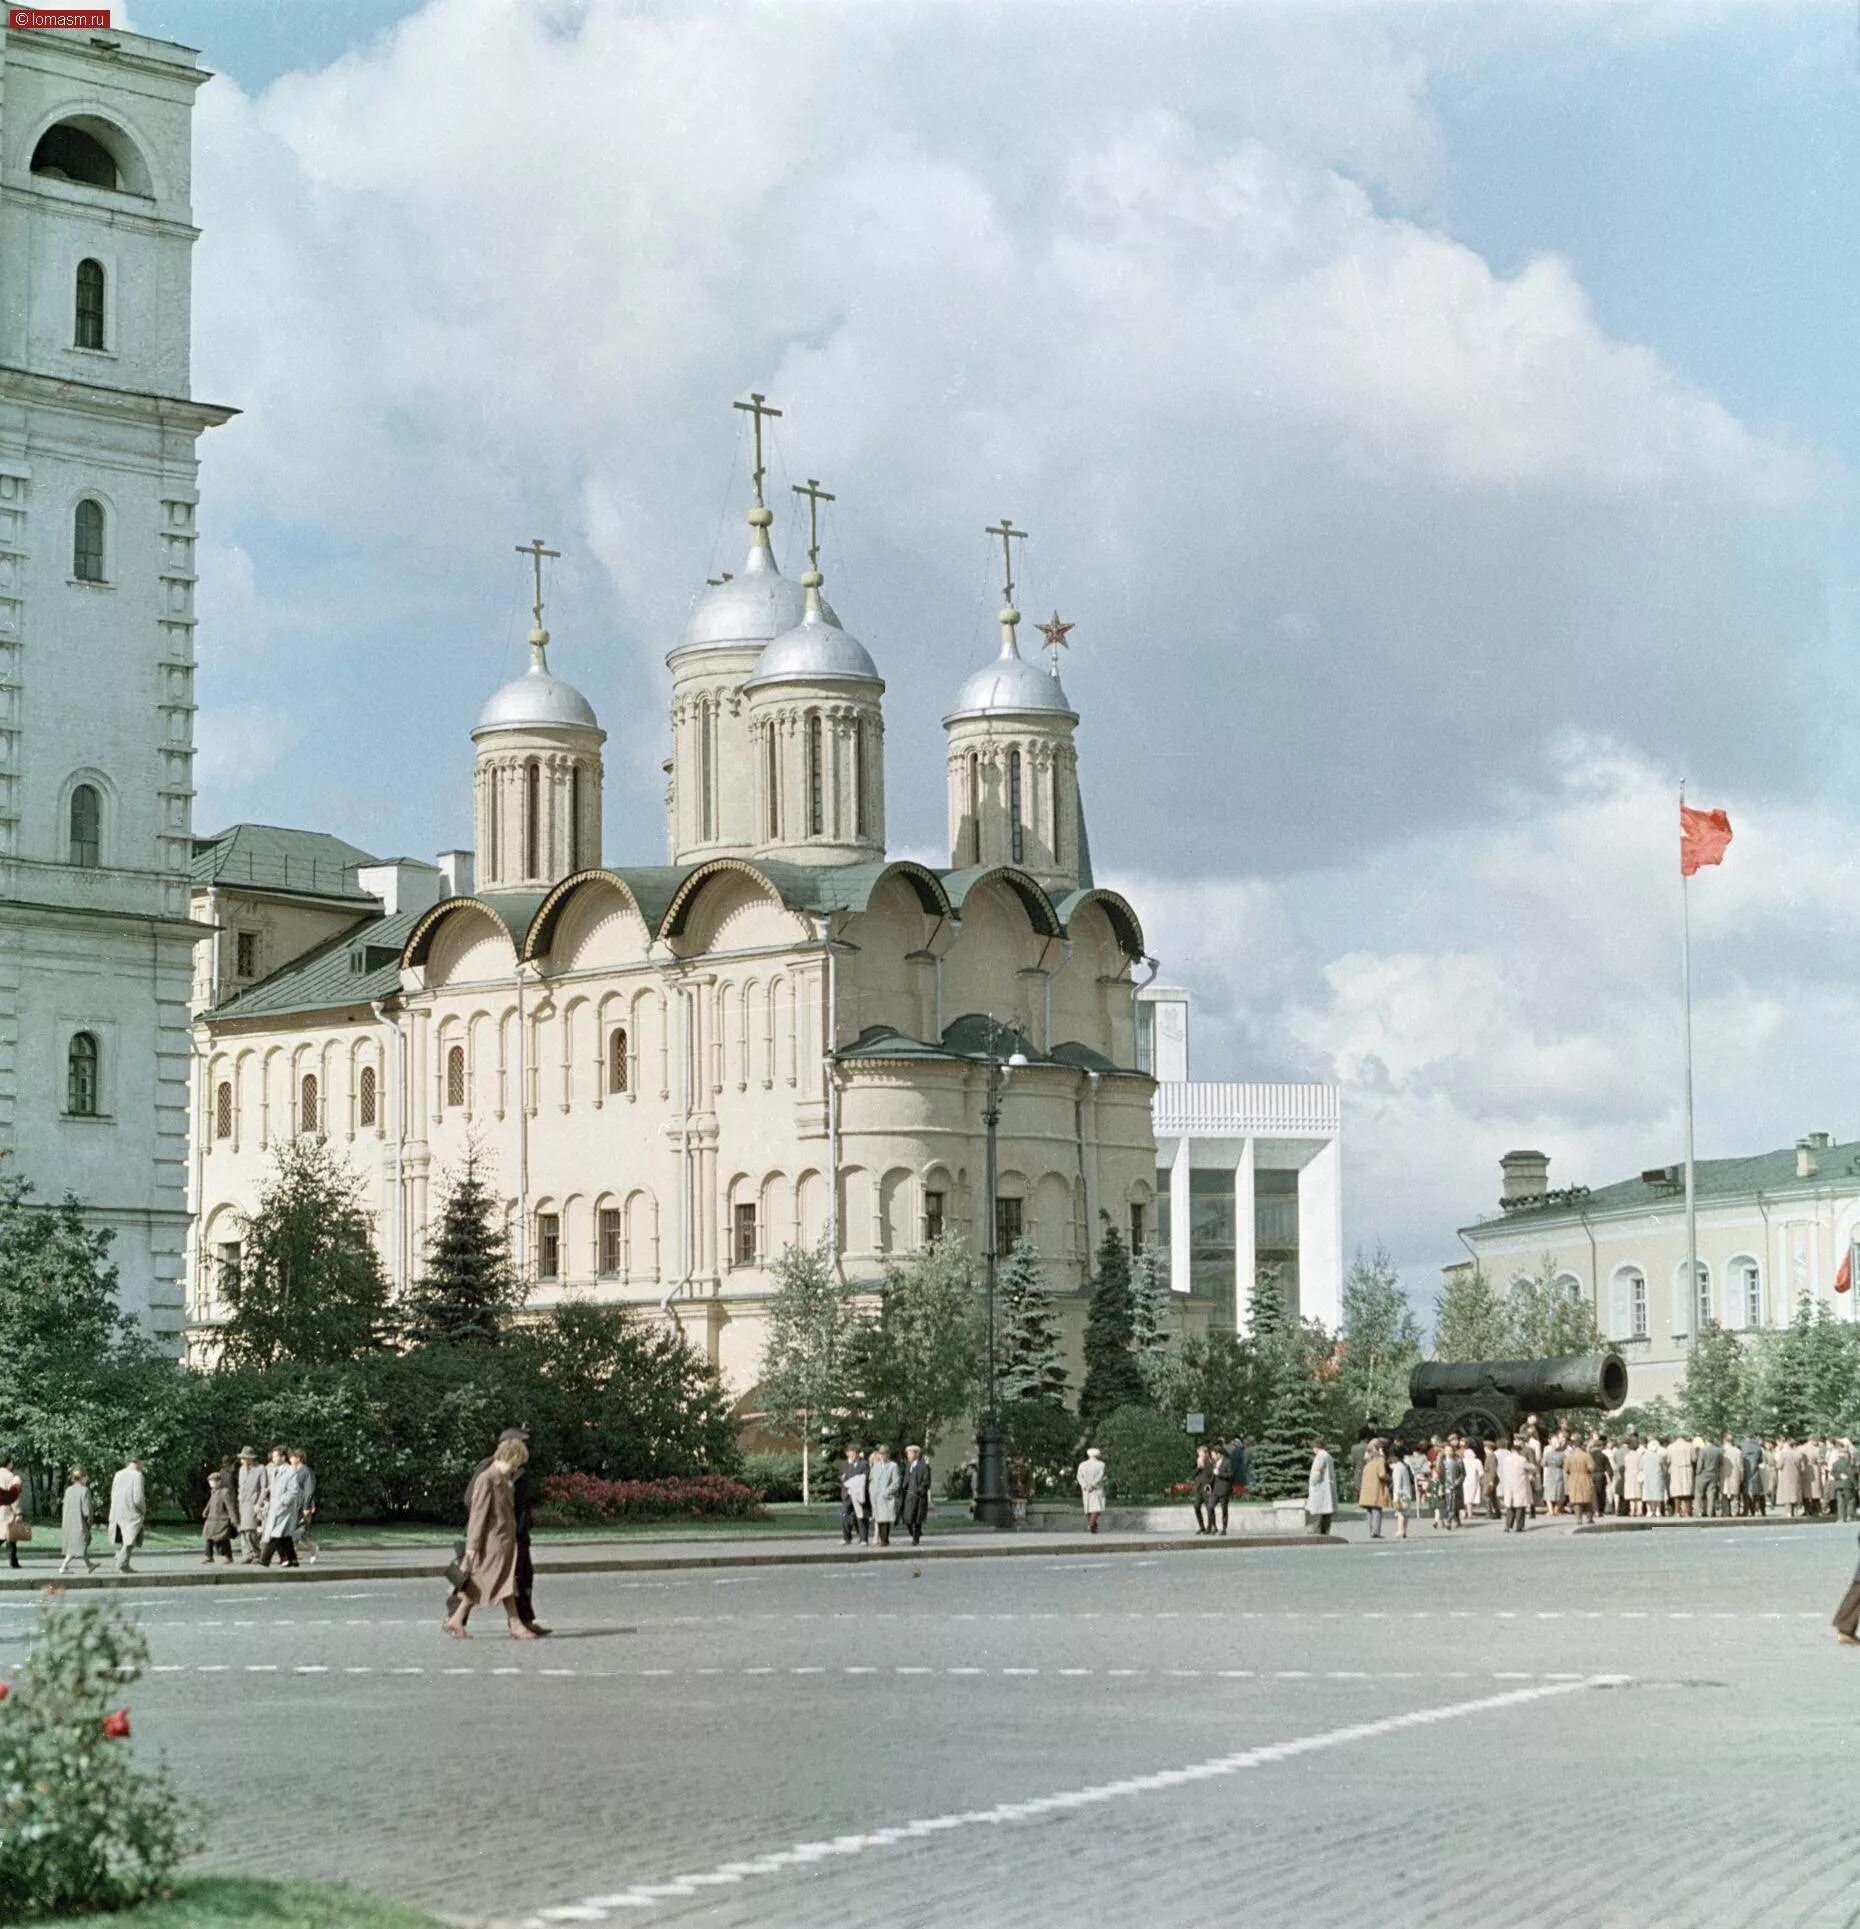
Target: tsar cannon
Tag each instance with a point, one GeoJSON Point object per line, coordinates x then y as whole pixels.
{"type": "Point", "coordinates": [1481, 1398]}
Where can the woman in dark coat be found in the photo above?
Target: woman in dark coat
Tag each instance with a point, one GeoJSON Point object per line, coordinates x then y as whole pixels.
{"type": "Point", "coordinates": [916, 1503]}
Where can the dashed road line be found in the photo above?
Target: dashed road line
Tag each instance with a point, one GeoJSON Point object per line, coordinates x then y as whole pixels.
{"type": "Point", "coordinates": [601, 1908]}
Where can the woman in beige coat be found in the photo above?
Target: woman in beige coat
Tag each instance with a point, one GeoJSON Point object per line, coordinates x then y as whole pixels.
{"type": "Point", "coordinates": [489, 1562]}
{"type": "Point", "coordinates": [1373, 1492]}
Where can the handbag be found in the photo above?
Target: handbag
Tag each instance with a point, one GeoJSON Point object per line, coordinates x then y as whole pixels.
{"type": "Point", "coordinates": [19, 1528]}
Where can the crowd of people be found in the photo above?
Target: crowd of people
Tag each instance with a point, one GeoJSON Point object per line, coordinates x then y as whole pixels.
{"type": "Point", "coordinates": [1584, 1474]}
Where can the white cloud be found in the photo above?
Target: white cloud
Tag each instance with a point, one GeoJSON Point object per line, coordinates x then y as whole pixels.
{"type": "Point", "coordinates": [236, 747]}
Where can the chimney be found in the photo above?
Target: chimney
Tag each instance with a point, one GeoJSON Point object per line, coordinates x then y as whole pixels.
{"type": "Point", "coordinates": [1526, 1176]}
{"type": "Point", "coordinates": [455, 873]}
{"type": "Point", "coordinates": [1806, 1163]}
{"type": "Point", "coordinates": [1821, 1140]}
{"type": "Point", "coordinates": [401, 883]}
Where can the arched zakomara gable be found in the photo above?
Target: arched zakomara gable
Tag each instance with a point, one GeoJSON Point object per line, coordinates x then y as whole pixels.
{"type": "Point", "coordinates": [594, 917]}
{"type": "Point", "coordinates": [1003, 914]}
{"type": "Point", "coordinates": [729, 904]}
{"type": "Point", "coordinates": [463, 941]}
{"type": "Point", "coordinates": [1091, 1003]}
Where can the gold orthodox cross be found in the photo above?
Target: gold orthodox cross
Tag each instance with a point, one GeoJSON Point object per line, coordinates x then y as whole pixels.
{"type": "Point", "coordinates": [1056, 633]}
{"type": "Point", "coordinates": [815, 497]}
{"type": "Point", "coordinates": [1009, 536]}
{"type": "Point", "coordinates": [536, 552]}
{"type": "Point", "coordinates": [757, 408]}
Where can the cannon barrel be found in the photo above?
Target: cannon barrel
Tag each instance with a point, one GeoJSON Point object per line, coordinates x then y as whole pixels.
{"type": "Point", "coordinates": [1578, 1380]}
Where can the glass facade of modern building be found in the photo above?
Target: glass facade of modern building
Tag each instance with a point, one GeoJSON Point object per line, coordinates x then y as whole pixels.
{"type": "Point", "coordinates": [1212, 1249]}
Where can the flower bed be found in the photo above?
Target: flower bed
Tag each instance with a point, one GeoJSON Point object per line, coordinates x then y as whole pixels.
{"type": "Point", "coordinates": [576, 1500]}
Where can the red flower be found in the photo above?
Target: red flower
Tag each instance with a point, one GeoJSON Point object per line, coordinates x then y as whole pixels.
{"type": "Point", "coordinates": [116, 1726]}
{"type": "Point", "coordinates": [4, 1691]}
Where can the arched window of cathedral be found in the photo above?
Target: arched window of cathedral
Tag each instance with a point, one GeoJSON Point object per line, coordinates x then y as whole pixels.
{"type": "Point", "coordinates": [307, 1103]}
{"type": "Point", "coordinates": [975, 808]}
{"type": "Point", "coordinates": [494, 827]}
{"type": "Point", "coordinates": [365, 1097]}
{"type": "Point", "coordinates": [222, 1110]}
{"type": "Point", "coordinates": [455, 1075]}
{"type": "Point", "coordinates": [574, 818]}
{"type": "Point", "coordinates": [816, 779]}
{"type": "Point", "coordinates": [772, 776]}
{"type": "Point", "coordinates": [67, 153]}
{"type": "Point", "coordinates": [859, 777]}
{"type": "Point", "coordinates": [87, 542]}
{"type": "Point", "coordinates": [532, 819]}
{"type": "Point", "coordinates": [1016, 841]}
{"type": "Point", "coordinates": [707, 809]}
{"type": "Point", "coordinates": [1058, 819]}
{"type": "Point", "coordinates": [87, 329]}
{"type": "Point", "coordinates": [81, 1076]}
{"type": "Point", "coordinates": [86, 827]}
{"type": "Point", "coordinates": [617, 1060]}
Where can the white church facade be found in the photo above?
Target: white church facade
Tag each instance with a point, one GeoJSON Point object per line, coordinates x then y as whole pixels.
{"type": "Point", "coordinates": [777, 1037]}
{"type": "Point", "coordinates": [97, 536]}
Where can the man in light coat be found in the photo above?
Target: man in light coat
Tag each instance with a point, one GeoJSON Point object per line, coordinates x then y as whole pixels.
{"type": "Point", "coordinates": [883, 1484]}
{"type": "Point", "coordinates": [282, 1516]}
{"type": "Point", "coordinates": [1681, 1467]}
{"type": "Point", "coordinates": [1321, 1489]}
{"type": "Point", "coordinates": [129, 1511]}
{"type": "Point", "coordinates": [1091, 1479]}
{"type": "Point", "coordinates": [1514, 1487]}
{"type": "Point", "coordinates": [254, 1498]}
{"type": "Point", "coordinates": [75, 1522]}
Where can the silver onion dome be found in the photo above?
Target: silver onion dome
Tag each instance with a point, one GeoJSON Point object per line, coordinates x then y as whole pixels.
{"type": "Point", "coordinates": [537, 699]}
{"type": "Point", "coordinates": [754, 606]}
{"type": "Point", "coordinates": [1010, 685]}
{"type": "Point", "coordinates": [814, 651]}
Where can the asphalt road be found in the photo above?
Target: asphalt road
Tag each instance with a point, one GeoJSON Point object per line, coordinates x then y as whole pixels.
{"type": "Point", "coordinates": [1601, 1731]}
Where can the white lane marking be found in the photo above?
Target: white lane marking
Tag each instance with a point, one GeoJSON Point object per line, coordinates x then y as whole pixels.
{"type": "Point", "coordinates": [1005, 1814]}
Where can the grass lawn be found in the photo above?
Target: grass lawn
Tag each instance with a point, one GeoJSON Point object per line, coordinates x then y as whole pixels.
{"type": "Point", "coordinates": [231, 1902]}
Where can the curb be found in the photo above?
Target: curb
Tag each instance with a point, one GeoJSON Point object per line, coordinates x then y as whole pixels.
{"type": "Point", "coordinates": [596, 1564]}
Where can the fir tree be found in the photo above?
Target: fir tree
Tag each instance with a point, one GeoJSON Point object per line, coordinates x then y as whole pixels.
{"type": "Point", "coordinates": [470, 1291]}
{"type": "Point", "coordinates": [1111, 1376]}
{"type": "Point", "coordinates": [308, 1285]}
{"type": "Point", "coordinates": [1381, 1339]}
{"type": "Point", "coordinates": [1294, 1418]}
{"type": "Point", "coordinates": [1469, 1318]}
{"type": "Point", "coordinates": [1715, 1395]}
{"type": "Point", "coordinates": [1029, 1345]}
{"type": "Point", "coordinates": [1151, 1311]}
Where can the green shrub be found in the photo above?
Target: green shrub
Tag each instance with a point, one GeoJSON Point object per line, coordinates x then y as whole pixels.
{"type": "Point", "coordinates": [1043, 1438]}
{"type": "Point", "coordinates": [1145, 1452]}
{"type": "Point", "coordinates": [576, 1500]}
{"type": "Point", "coordinates": [81, 1826]}
{"type": "Point", "coordinates": [777, 1476]}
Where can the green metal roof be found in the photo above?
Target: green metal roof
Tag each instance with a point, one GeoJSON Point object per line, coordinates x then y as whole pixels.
{"type": "Point", "coordinates": [267, 857]}
{"type": "Point", "coordinates": [359, 966]}
{"type": "Point", "coordinates": [1711, 1179]}
{"type": "Point", "coordinates": [966, 1041]}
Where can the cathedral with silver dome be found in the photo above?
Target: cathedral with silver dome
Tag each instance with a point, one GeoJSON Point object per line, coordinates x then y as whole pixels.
{"type": "Point", "coordinates": [775, 1037]}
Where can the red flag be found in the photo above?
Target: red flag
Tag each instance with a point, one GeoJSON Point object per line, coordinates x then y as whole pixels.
{"type": "Point", "coordinates": [1703, 835]}
{"type": "Point", "coordinates": [1844, 1279]}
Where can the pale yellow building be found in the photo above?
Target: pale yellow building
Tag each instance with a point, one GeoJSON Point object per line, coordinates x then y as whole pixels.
{"type": "Point", "coordinates": [679, 1069]}
{"type": "Point", "coordinates": [1770, 1228]}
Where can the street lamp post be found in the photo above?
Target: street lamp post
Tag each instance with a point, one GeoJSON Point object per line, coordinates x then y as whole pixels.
{"type": "Point", "coordinates": [993, 1508]}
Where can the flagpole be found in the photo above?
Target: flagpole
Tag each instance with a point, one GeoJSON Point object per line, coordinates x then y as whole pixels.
{"type": "Point", "coordinates": [1685, 974]}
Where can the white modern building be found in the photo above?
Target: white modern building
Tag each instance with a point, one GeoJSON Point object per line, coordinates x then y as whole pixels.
{"type": "Point", "coordinates": [97, 533]}
{"type": "Point", "coordinates": [1248, 1176]}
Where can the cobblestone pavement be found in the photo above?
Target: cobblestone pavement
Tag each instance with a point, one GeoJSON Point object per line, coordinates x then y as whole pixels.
{"type": "Point", "coordinates": [1464, 1731]}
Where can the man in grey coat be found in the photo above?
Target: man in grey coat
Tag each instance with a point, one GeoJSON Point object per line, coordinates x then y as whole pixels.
{"type": "Point", "coordinates": [254, 1497]}
{"type": "Point", "coordinates": [129, 1511]}
{"type": "Point", "coordinates": [1705, 1477]}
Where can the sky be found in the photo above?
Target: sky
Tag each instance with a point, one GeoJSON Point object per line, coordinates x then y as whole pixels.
{"type": "Point", "coordinates": [1438, 422]}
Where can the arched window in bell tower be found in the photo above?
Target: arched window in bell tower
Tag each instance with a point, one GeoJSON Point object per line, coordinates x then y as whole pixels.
{"type": "Point", "coordinates": [494, 824]}
{"type": "Point", "coordinates": [1016, 839]}
{"type": "Point", "coordinates": [574, 818]}
{"type": "Point", "coordinates": [975, 808]}
{"type": "Point", "coordinates": [1059, 822]}
{"type": "Point", "coordinates": [707, 811]}
{"type": "Point", "coordinates": [816, 779]}
{"type": "Point", "coordinates": [772, 777]}
{"type": "Point", "coordinates": [532, 819]}
{"type": "Point", "coordinates": [861, 812]}
{"type": "Point", "coordinates": [87, 329]}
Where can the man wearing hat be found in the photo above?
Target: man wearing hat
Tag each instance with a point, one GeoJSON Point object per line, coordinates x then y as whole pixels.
{"type": "Point", "coordinates": [526, 1565]}
{"type": "Point", "coordinates": [254, 1499]}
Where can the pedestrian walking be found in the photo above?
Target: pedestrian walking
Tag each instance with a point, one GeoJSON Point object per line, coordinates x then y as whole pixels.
{"type": "Point", "coordinates": [915, 1509]}
{"type": "Point", "coordinates": [282, 1515]}
{"type": "Point", "coordinates": [1091, 1478]}
{"type": "Point", "coordinates": [129, 1511]}
{"type": "Point", "coordinates": [1321, 1489]}
{"type": "Point", "coordinates": [855, 1515]}
{"type": "Point", "coordinates": [1240, 1465]}
{"type": "Point", "coordinates": [1222, 1491]}
{"type": "Point", "coordinates": [1452, 1470]}
{"type": "Point", "coordinates": [1204, 1490]}
{"type": "Point", "coordinates": [253, 1496]}
{"type": "Point", "coordinates": [1579, 1480]}
{"type": "Point", "coordinates": [1374, 1493]}
{"type": "Point", "coordinates": [219, 1524]}
{"type": "Point", "coordinates": [306, 1505]}
{"type": "Point", "coordinates": [75, 1521]}
{"type": "Point", "coordinates": [14, 1526]}
{"type": "Point", "coordinates": [488, 1567]}
{"type": "Point", "coordinates": [884, 1483]}
{"type": "Point", "coordinates": [520, 1503]}
{"type": "Point", "coordinates": [1841, 1472]}
{"type": "Point", "coordinates": [1472, 1491]}
{"type": "Point", "coordinates": [1514, 1486]}
{"type": "Point", "coordinates": [1402, 1486]}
